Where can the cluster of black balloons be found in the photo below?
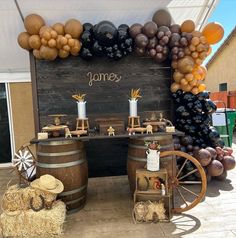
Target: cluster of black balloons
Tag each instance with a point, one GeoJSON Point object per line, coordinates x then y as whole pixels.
{"type": "Point", "coordinates": [193, 117]}
{"type": "Point", "coordinates": [104, 39]}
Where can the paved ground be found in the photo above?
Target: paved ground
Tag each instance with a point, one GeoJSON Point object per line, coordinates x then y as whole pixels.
{"type": "Point", "coordinates": [109, 205]}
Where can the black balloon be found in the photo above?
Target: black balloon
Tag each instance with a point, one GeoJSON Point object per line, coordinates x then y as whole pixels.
{"type": "Point", "coordinates": [105, 33]}
{"type": "Point", "coordinates": [209, 106]}
{"type": "Point", "coordinates": [97, 49]}
{"type": "Point", "coordinates": [86, 54]}
{"type": "Point", "coordinates": [87, 39]}
{"type": "Point", "coordinates": [88, 27]}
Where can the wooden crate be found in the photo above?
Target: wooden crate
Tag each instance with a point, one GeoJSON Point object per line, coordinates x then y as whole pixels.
{"type": "Point", "coordinates": [148, 181]}
{"type": "Point", "coordinates": [143, 197]}
{"type": "Point", "coordinates": [104, 123]}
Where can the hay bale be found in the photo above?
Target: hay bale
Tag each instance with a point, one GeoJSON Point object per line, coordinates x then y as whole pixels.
{"type": "Point", "coordinates": [45, 223]}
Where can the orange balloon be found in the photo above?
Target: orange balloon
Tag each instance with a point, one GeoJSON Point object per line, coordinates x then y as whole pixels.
{"type": "Point", "coordinates": [188, 26]}
{"type": "Point", "coordinates": [174, 64]}
{"type": "Point", "coordinates": [204, 71]}
{"type": "Point", "coordinates": [209, 50]}
{"type": "Point", "coordinates": [201, 87]}
{"type": "Point", "coordinates": [213, 32]}
{"type": "Point", "coordinates": [198, 61]}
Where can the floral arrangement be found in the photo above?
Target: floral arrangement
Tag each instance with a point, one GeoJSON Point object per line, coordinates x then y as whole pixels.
{"type": "Point", "coordinates": [79, 97]}
{"type": "Point", "coordinates": [135, 94]}
{"type": "Point", "coordinates": [153, 145]}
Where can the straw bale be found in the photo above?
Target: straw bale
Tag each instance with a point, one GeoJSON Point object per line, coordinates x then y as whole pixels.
{"type": "Point", "coordinates": [45, 223]}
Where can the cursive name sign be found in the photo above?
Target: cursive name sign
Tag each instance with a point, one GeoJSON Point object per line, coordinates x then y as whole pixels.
{"type": "Point", "coordinates": [103, 77]}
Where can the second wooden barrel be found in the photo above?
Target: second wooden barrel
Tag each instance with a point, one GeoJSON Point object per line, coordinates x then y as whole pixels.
{"type": "Point", "coordinates": [137, 157]}
{"type": "Point", "coordinates": [66, 161]}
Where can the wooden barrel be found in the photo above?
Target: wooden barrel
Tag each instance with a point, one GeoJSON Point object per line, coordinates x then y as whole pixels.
{"type": "Point", "coordinates": [137, 157]}
{"type": "Point", "coordinates": [66, 161]}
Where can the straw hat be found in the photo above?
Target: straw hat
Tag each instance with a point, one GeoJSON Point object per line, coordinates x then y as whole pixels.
{"type": "Point", "coordinates": [48, 183]}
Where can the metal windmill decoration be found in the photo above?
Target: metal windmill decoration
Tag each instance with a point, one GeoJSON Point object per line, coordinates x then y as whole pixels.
{"type": "Point", "coordinates": [24, 163]}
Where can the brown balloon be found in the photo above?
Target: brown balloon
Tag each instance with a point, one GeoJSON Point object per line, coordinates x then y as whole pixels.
{"type": "Point", "coordinates": [135, 29]}
{"type": "Point", "coordinates": [152, 43]}
{"type": "Point", "coordinates": [33, 23]}
{"type": "Point", "coordinates": [141, 40]}
{"type": "Point", "coordinates": [23, 40]}
{"type": "Point", "coordinates": [162, 18]}
{"type": "Point", "coordinates": [140, 51]}
{"type": "Point", "coordinates": [175, 28]}
{"type": "Point", "coordinates": [150, 29]}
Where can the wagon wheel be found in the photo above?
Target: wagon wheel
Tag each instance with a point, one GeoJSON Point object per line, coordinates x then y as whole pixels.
{"type": "Point", "coordinates": [24, 163]}
{"type": "Point", "coordinates": [187, 193]}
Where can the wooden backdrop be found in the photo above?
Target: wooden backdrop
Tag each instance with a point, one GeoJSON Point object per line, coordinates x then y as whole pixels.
{"type": "Point", "coordinates": [107, 85]}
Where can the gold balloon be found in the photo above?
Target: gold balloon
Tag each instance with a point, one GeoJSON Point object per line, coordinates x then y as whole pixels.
{"type": "Point", "coordinates": [195, 90]}
{"type": "Point", "coordinates": [33, 23]}
{"type": "Point", "coordinates": [186, 64]}
{"type": "Point", "coordinates": [174, 87]}
{"type": "Point", "coordinates": [35, 42]}
{"type": "Point", "coordinates": [195, 41]}
{"type": "Point", "coordinates": [188, 26]}
{"type": "Point", "coordinates": [36, 54]}
{"type": "Point", "coordinates": [213, 32]}
{"type": "Point", "coordinates": [63, 53]}
{"type": "Point", "coordinates": [48, 53]}
{"type": "Point", "coordinates": [74, 28]}
{"type": "Point", "coordinates": [23, 40]}
{"type": "Point", "coordinates": [196, 33]}
{"type": "Point", "coordinates": [59, 28]}
{"type": "Point", "coordinates": [177, 76]}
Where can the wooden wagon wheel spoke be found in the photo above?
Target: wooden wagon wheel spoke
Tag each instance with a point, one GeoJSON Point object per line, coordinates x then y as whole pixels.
{"type": "Point", "coordinates": [189, 173]}
{"type": "Point", "coordinates": [181, 168]}
{"type": "Point", "coordinates": [186, 189]}
{"type": "Point", "coordinates": [190, 182]}
{"type": "Point", "coordinates": [181, 195]}
{"type": "Point", "coordinates": [176, 182]}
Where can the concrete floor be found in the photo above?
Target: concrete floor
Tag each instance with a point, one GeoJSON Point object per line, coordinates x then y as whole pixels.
{"type": "Point", "coordinates": [109, 207]}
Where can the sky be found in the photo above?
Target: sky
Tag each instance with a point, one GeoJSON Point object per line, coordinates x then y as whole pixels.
{"type": "Point", "coordinates": [225, 14]}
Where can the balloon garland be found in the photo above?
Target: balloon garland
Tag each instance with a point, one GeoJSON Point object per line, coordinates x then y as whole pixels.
{"type": "Point", "coordinates": [183, 45]}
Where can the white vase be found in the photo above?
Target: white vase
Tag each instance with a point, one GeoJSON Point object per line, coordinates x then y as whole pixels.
{"type": "Point", "coordinates": [153, 160]}
{"type": "Point", "coordinates": [81, 110]}
{"type": "Point", "coordinates": [133, 108]}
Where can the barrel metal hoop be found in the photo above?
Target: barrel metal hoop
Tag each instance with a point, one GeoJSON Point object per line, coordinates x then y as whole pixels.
{"type": "Point", "coordinates": [61, 165]}
{"type": "Point", "coordinates": [73, 191]}
{"type": "Point", "coordinates": [59, 154]}
{"type": "Point", "coordinates": [137, 159]}
{"type": "Point", "coordinates": [56, 143]}
{"type": "Point", "coordinates": [75, 201]}
{"type": "Point", "coordinates": [75, 210]}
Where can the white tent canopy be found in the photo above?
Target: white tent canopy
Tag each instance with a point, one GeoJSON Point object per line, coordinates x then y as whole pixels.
{"type": "Point", "coordinates": [14, 59]}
